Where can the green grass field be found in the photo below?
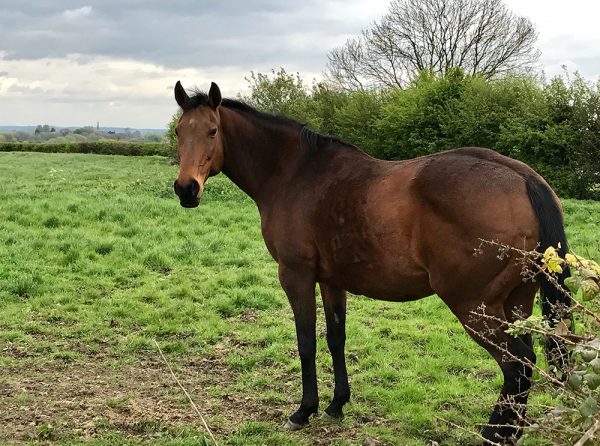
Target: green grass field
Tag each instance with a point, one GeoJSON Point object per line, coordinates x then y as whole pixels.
{"type": "Point", "coordinates": [98, 260]}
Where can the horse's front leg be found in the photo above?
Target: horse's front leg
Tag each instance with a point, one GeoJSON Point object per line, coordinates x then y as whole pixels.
{"type": "Point", "coordinates": [299, 285]}
{"type": "Point", "coordinates": [334, 303]}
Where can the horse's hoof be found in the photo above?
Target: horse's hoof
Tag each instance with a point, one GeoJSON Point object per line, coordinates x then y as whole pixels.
{"type": "Point", "coordinates": [291, 426]}
{"type": "Point", "coordinates": [332, 418]}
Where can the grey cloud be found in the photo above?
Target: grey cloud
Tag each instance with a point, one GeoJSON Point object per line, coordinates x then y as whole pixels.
{"type": "Point", "coordinates": [178, 34]}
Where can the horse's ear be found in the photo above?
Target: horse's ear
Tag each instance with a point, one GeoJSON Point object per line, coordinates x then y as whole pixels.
{"type": "Point", "coordinates": [180, 95]}
{"type": "Point", "coordinates": [214, 96]}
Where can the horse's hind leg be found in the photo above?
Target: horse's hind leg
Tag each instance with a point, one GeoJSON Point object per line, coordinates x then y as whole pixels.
{"type": "Point", "coordinates": [505, 424]}
{"type": "Point", "coordinates": [515, 357]}
{"type": "Point", "coordinates": [334, 303]}
{"type": "Point", "coordinates": [517, 366]}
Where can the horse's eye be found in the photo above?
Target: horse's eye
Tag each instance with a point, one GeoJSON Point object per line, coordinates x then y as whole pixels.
{"type": "Point", "coordinates": [213, 132]}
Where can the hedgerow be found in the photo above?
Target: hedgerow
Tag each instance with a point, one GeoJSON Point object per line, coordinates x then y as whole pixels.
{"type": "Point", "coordinates": [97, 147]}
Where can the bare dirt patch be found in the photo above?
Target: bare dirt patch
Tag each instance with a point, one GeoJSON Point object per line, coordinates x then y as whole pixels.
{"type": "Point", "coordinates": [140, 400]}
{"type": "Point", "coordinates": [80, 400]}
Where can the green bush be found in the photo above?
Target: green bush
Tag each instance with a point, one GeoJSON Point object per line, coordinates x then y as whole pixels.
{"type": "Point", "coordinates": [356, 120]}
{"type": "Point", "coordinates": [416, 120]}
{"type": "Point", "coordinates": [171, 135]}
{"type": "Point", "coordinates": [283, 94]}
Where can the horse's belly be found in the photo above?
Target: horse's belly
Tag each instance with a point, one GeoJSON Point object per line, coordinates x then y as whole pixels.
{"type": "Point", "coordinates": [379, 282]}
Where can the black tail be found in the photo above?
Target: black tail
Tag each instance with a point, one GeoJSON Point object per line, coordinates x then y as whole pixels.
{"type": "Point", "coordinates": [555, 303]}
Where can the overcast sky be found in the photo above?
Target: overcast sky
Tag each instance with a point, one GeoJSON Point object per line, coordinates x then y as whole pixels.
{"type": "Point", "coordinates": [75, 62]}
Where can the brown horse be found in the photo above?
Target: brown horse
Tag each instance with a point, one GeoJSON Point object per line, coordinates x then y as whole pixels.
{"type": "Point", "coordinates": [391, 230]}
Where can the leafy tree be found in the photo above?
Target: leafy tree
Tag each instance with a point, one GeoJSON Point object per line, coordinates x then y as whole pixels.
{"type": "Point", "coordinates": [171, 135]}
{"type": "Point", "coordinates": [585, 141]}
{"type": "Point", "coordinates": [77, 137]}
{"type": "Point", "coordinates": [356, 120]}
{"type": "Point", "coordinates": [414, 121]}
{"type": "Point", "coordinates": [326, 104]}
{"type": "Point", "coordinates": [282, 93]}
{"type": "Point", "coordinates": [88, 130]}
{"type": "Point", "coordinates": [153, 137]}
{"type": "Point", "coordinates": [21, 135]}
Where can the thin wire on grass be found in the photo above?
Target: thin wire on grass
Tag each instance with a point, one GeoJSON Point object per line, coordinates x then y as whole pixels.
{"type": "Point", "coordinates": [186, 393]}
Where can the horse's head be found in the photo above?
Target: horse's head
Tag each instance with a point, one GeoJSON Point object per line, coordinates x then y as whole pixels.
{"type": "Point", "coordinates": [199, 143]}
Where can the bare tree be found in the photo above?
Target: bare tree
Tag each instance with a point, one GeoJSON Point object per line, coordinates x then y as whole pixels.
{"type": "Point", "coordinates": [481, 36]}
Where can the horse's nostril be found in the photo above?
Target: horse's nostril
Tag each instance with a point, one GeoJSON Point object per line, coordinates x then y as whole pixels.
{"type": "Point", "coordinates": [194, 188]}
{"type": "Point", "coordinates": [176, 188]}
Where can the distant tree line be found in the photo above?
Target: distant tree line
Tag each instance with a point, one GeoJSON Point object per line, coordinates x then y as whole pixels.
{"type": "Point", "coordinates": [45, 133]}
{"type": "Point", "coordinates": [553, 126]}
{"type": "Point", "coordinates": [85, 140]}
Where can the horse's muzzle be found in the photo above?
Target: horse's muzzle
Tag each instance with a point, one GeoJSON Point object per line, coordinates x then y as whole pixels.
{"type": "Point", "coordinates": [188, 194]}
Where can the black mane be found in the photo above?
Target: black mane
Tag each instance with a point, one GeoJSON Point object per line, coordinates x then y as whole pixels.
{"type": "Point", "coordinates": [313, 140]}
{"type": "Point", "coordinates": [198, 99]}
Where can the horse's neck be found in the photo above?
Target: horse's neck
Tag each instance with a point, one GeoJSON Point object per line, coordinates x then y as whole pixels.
{"type": "Point", "coordinates": [258, 158]}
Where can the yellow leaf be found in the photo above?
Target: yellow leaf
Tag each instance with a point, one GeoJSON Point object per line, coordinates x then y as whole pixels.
{"type": "Point", "coordinates": [595, 267]}
{"type": "Point", "coordinates": [572, 260]}
{"type": "Point", "coordinates": [590, 289]}
{"type": "Point", "coordinates": [554, 267]}
{"type": "Point", "coordinates": [550, 252]}
{"type": "Point", "coordinates": [552, 260]}
{"type": "Point", "coordinates": [589, 267]}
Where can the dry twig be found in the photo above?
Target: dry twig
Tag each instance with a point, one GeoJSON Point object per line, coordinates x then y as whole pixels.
{"type": "Point", "coordinates": [589, 434]}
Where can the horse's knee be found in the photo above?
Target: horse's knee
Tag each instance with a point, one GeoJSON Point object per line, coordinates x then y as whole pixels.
{"type": "Point", "coordinates": [336, 342]}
